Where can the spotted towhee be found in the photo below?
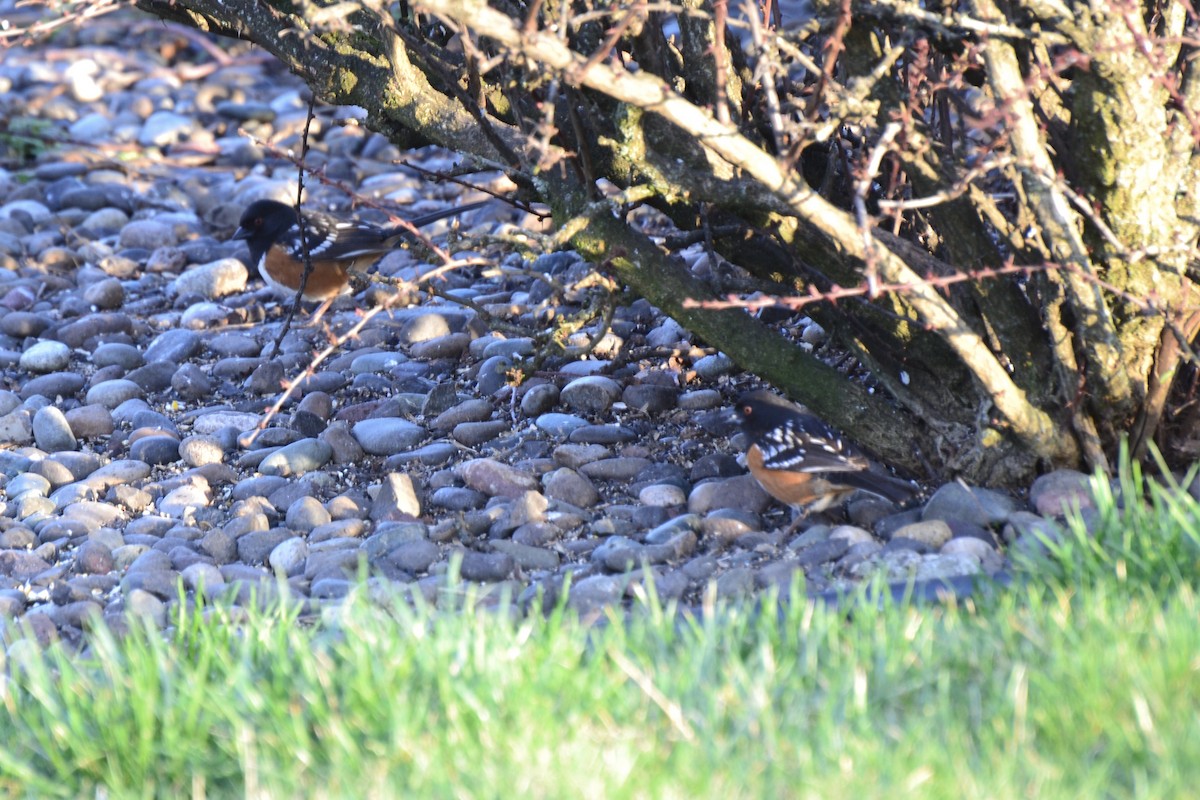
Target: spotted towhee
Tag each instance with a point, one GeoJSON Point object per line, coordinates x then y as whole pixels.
{"type": "Point", "coordinates": [336, 248]}
{"type": "Point", "coordinates": [803, 462]}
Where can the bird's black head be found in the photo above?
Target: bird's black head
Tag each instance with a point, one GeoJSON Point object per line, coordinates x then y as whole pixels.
{"type": "Point", "coordinates": [262, 223]}
{"type": "Point", "coordinates": [760, 411]}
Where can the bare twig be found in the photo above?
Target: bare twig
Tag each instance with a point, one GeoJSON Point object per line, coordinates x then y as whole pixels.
{"type": "Point", "coordinates": [445, 177]}
{"type": "Point", "coordinates": [70, 13]}
{"type": "Point", "coordinates": [836, 293]}
{"type": "Point", "coordinates": [764, 74]}
{"type": "Point", "coordinates": [952, 23]}
{"type": "Point", "coordinates": [960, 187]}
{"type": "Point", "coordinates": [834, 45]}
{"type": "Point", "coordinates": [299, 205]}
{"type": "Point", "coordinates": [291, 386]}
{"type": "Point", "coordinates": [862, 188]}
{"type": "Point", "coordinates": [720, 60]}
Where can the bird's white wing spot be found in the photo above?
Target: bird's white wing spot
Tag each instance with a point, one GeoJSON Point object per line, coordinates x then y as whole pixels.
{"type": "Point", "coordinates": [330, 238]}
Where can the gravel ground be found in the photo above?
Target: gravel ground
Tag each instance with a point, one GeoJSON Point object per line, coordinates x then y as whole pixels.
{"type": "Point", "coordinates": [137, 358]}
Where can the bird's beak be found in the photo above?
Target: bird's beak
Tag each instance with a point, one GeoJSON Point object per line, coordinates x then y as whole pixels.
{"type": "Point", "coordinates": [241, 233]}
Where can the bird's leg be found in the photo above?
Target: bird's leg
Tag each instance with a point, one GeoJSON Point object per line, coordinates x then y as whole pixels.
{"type": "Point", "coordinates": [799, 515]}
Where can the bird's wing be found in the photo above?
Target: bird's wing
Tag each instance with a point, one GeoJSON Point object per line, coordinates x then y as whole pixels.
{"type": "Point", "coordinates": [806, 444]}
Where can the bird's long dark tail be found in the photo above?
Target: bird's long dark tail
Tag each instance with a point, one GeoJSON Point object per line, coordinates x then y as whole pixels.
{"type": "Point", "coordinates": [897, 491]}
{"type": "Point", "coordinates": [434, 216]}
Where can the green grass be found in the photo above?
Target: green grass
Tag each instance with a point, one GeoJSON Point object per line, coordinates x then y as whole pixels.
{"type": "Point", "coordinates": [1082, 684]}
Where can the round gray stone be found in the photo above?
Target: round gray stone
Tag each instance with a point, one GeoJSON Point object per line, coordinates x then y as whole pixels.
{"type": "Point", "coordinates": [570, 487]}
{"type": "Point", "coordinates": [163, 128]}
{"type": "Point", "coordinates": [106, 294]}
{"type": "Point", "coordinates": [594, 593]}
{"type": "Point", "coordinates": [46, 356]}
{"type": "Point", "coordinates": [111, 394]}
{"type": "Point", "coordinates": [212, 280]}
{"type": "Point", "coordinates": [560, 426]}
{"type": "Point", "coordinates": [972, 504]}
{"type": "Point", "coordinates": [387, 435]}
{"type": "Point", "coordinates": [146, 234]}
{"type": "Point", "coordinates": [156, 449]}
{"type": "Point", "coordinates": [714, 366]}
{"type": "Point", "coordinates": [493, 375]}
{"type": "Point", "coordinates": [451, 345]}
{"type": "Point", "coordinates": [288, 556]}
{"type": "Point", "coordinates": [486, 567]}
{"type": "Point", "coordinates": [414, 557]}
{"type": "Point", "coordinates": [176, 346]}
{"type": "Point", "coordinates": [51, 430]}
{"type": "Point", "coordinates": [396, 500]}
{"type": "Point", "coordinates": [539, 399]}
{"type": "Point", "coordinates": [16, 428]}
{"type": "Point", "coordinates": [592, 394]}
{"type": "Point", "coordinates": [297, 458]}
{"type": "Point", "coordinates": [305, 514]}
{"type": "Point", "coordinates": [255, 547]}
{"type": "Point", "coordinates": [55, 384]}
{"type": "Point", "coordinates": [494, 478]}
{"type": "Point", "coordinates": [146, 605]}
{"type": "Point", "coordinates": [475, 410]}
{"type": "Point", "coordinates": [118, 354]}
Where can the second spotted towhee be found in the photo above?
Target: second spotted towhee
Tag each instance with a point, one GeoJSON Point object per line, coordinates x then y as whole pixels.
{"type": "Point", "coordinates": [803, 462]}
{"type": "Point", "coordinates": [336, 248]}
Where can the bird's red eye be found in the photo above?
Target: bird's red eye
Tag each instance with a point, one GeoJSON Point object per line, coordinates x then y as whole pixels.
{"type": "Point", "coordinates": [747, 411]}
{"type": "Point", "coordinates": [258, 222]}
